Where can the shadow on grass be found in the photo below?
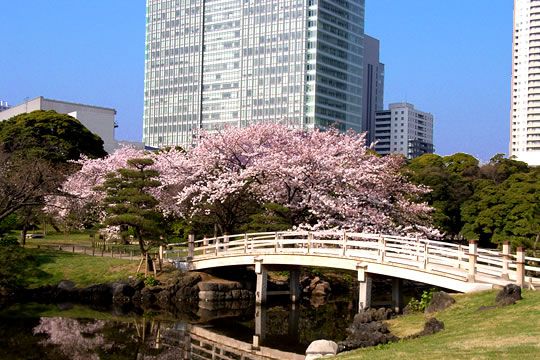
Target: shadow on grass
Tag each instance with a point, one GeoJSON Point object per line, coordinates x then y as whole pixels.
{"type": "Point", "coordinates": [20, 267]}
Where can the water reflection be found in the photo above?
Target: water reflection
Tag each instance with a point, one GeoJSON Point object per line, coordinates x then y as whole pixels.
{"type": "Point", "coordinates": [276, 332]}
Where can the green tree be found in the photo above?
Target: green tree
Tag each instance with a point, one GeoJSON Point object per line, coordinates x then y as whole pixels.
{"type": "Point", "coordinates": [499, 168]}
{"type": "Point", "coordinates": [506, 211]}
{"type": "Point", "coordinates": [34, 152]}
{"type": "Point", "coordinates": [129, 201]}
{"type": "Point", "coordinates": [49, 136]}
{"type": "Point", "coordinates": [450, 179]}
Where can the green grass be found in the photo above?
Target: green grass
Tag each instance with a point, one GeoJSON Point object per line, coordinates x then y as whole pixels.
{"type": "Point", "coordinates": [511, 332]}
{"type": "Point", "coordinates": [83, 270]}
{"type": "Point", "coordinates": [82, 239]}
{"type": "Point", "coordinates": [33, 310]}
{"type": "Point", "coordinates": [79, 239]}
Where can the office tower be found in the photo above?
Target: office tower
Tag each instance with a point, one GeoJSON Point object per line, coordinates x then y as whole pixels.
{"type": "Point", "coordinates": [402, 129]}
{"type": "Point", "coordinates": [99, 120]}
{"type": "Point", "coordinates": [217, 63]}
{"type": "Point", "coordinates": [373, 87]}
{"type": "Point", "coordinates": [525, 105]}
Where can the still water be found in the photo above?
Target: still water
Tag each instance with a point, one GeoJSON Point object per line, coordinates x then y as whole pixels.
{"type": "Point", "coordinates": [35, 331]}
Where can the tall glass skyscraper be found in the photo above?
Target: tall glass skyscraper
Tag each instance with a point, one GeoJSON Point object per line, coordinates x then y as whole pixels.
{"type": "Point", "coordinates": [213, 63]}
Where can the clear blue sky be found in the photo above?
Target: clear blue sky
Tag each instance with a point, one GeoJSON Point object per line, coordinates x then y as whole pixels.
{"type": "Point", "coordinates": [451, 58]}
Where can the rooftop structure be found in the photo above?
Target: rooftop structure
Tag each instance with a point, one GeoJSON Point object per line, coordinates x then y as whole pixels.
{"type": "Point", "coordinates": [99, 120]}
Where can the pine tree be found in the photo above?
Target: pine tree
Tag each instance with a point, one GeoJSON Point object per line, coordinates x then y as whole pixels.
{"type": "Point", "coordinates": [129, 201]}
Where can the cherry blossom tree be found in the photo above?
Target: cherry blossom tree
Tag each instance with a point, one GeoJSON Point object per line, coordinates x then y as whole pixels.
{"type": "Point", "coordinates": [79, 196]}
{"type": "Point", "coordinates": [326, 179]}
{"type": "Point", "coordinates": [76, 339]}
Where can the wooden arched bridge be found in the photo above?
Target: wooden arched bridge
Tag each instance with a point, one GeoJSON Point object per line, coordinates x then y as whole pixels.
{"type": "Point", "coordinates": [443, 264]}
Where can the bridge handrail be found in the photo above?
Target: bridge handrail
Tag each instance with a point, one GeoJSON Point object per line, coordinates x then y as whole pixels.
{"type": "Point", "coordinates": [466, 261]}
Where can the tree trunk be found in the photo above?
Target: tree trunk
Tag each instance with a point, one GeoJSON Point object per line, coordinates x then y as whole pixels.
{"type": "Point", "coordinates": [23, 234]}
{"type": "Point", "coordinates": [144, 252]}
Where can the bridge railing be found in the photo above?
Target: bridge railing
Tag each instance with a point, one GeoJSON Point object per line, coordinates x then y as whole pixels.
{"type": "Point", "coordinates": [465, 262]}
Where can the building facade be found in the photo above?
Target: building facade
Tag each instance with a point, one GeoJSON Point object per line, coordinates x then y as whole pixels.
{"type": "Point", "coordinates": [3, 105]}
{"type": "Point", "coordinates": [373, 86]}
{"type": "Point", "coordinates": [99, 120]}
{"type": "Point", "coordinates": [217, 63]}
{"type": "Point", "coordinates": [402, 129]}
{"type": "Point", "coordinates": [525, 102]}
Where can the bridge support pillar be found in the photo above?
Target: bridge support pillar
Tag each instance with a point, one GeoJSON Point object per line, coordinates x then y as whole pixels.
{"type": "Point", "coordinates": [364, 289]}
{"type": "Point", "coordinates": [397, 295]}
{"type": "Point", "coordinates": [294, 284]}
{"type": "Point", "coordinates": [260, 327]}
{"type": "Point", "coordinates": [262, 282]}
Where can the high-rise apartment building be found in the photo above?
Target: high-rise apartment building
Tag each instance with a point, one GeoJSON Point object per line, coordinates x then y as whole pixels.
{"type": "Point", "coordinates": [215, 63]}
{"type": "Point", "coordinates": [525, 105]}
{"type": "Point", "coordinates": [373, 86]}
{"type": "Point", "coordinates": [4, 105]}
{"type": "Point", "coordinates": [402, 129]}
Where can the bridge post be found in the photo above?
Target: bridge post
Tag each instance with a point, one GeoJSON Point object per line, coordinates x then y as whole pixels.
{"type": "Point", "coordinates": [294, 320]}
{"type": "Point", "coordinates": [506, 260]}
{"type": "Point", "coordinates": [344, 243]}
{"type": "Point", "coordinates": [397, 294]}
{"type": "Point", "coordinates": [225, 242]}
{"type": "Point", "coordinates": [260, 327]}
{"type": "Point", "coordinates": [364, 288]}
{"type": "Point", "coordinates": [191, 247]}
{"type": "Point", "coordinates": [381, 249]}
{"type": "Point", "coordinates": [294, 284]}
{"type": "Point", "coordinates": [262, 282]}
{"type": "Point", "coordinates": [520, 267]}
{"type": "Point", "coordinates": [205, 244]}
{"type": "Point", "coordinates": [473, 254]}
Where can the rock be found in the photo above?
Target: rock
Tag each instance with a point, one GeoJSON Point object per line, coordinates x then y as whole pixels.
{"type": "Point", "coordinates": [221, 291]}
{"type": "Point", "coordinates": [368, 329]}
{"type": "Point", "coordinates": [440, 301]}
{"type": "Point", "coordinates": [148, 298]}
{"type": "Point", "coordinates": [96, 294]}
{"type": "Point", "coordinates": [321, 289]}
{"type": "Point", "coordinates": [320, 348]}
{"type": "Point", "coordinates": [66, 285]}
{"type": "Point", "coordinates": [314, 282]}
{"type": "Point", "coordinates": [366, 334]}
{"type": "Point", "coordinates": [432, 326]}
{"type": "Point", "coordinates": [122, 293]}
{"type": "Point", "coordinates": [370, 315]}
{"type": "Point", "coordinates": [508, 295]}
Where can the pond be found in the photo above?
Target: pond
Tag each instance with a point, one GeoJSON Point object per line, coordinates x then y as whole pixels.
{"type": "Point", "coordinates": [65, 331]}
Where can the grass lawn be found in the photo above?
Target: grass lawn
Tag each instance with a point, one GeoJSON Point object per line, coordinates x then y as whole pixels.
{"type": "Point", "coordinates": [512, 332]}
{"type": "Point", "coordinates": [82, 239]}
{"type": "Point", "coordinates": [83, 270]}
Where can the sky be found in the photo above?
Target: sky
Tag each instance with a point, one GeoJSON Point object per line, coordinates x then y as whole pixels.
{"type": "Point", "coordinates": [449, 58]}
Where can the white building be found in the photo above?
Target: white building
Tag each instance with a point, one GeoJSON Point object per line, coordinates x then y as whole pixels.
{"type": "Point", "coordinates": [3, 105]}
{"type": "Point", "coordinates": [99, 120]}
{"type": "Point", "coordinates": [215, 63]}
{"type": "Point", "coordinates": [404, 130]}
{"type": "Point", "coordinates": [525, 105]}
